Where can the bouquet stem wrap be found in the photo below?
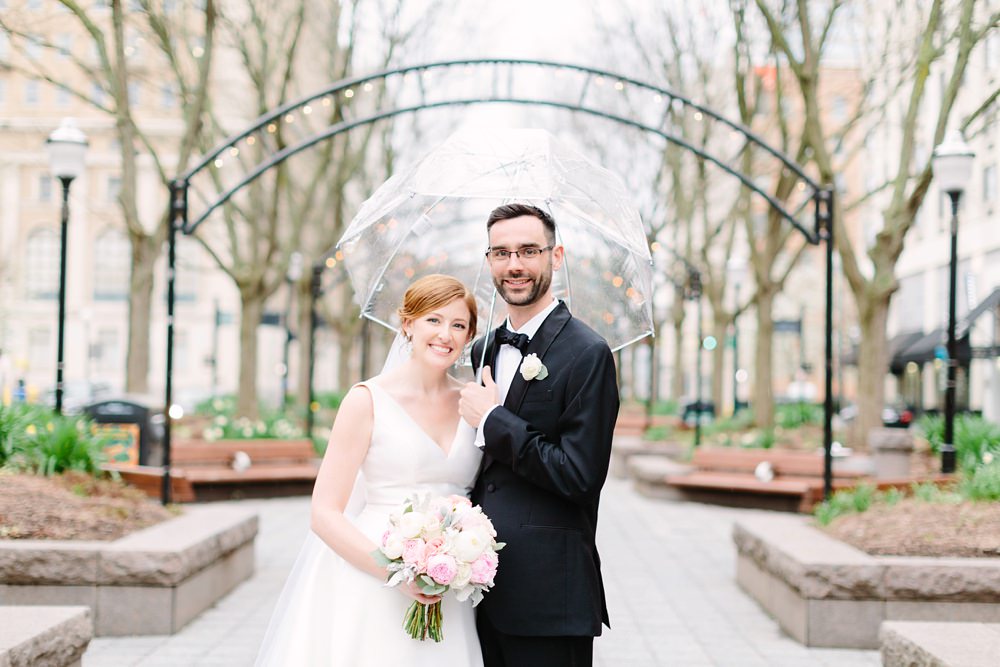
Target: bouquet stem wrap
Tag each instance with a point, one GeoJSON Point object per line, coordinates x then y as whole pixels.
{"type": "Point", "coordinates": [423, 621]}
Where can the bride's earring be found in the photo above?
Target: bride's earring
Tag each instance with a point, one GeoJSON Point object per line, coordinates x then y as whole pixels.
{"type": "Point", "coordinates": [408, 345]}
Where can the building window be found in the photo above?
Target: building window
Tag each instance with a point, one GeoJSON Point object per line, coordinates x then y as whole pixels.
{"type": "Point", "coordinates": [114, 189]}
{"type": "Point", "coordinates": [96, 93]}
{"type": "Point", "coordinates": [44, 188]}
{"type": "Point", "coordinates": [990, 183]}
{"type": "Point", "coordinates": [839, 111]}
{"type": "Point", "coordinates": [31, 93]}
{"type": "Point", "coordinates": [41, 265]}
{"type": "Point", "coordinates": [64, 44]}
{"type": "Point", "coordinates": [113, 266]}
{"type": "Point", "coordinates": [38, 348]}
{"type": "Point", "coordinates": [133, 94]}
{"type": "Point", "coordinates": [106, 352]}
{"type": "Point", "coordinates": [62, 97]}
{"type": "Point", "coordinates": [168, 99]}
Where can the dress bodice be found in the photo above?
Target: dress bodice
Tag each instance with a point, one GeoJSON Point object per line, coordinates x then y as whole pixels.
{"type": "Point", "coordinates": [403, 459]}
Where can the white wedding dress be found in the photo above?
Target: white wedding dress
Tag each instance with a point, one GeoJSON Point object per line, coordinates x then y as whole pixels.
{"type": "Point", "coordinates": [331, 613]}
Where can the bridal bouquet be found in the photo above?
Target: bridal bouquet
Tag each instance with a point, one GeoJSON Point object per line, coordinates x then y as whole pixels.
{"type": "Point", "coordinates": [445, 544]}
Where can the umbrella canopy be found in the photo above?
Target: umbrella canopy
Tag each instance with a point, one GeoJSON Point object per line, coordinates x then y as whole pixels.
{"type": "Point", "coordinates": [432, 219]}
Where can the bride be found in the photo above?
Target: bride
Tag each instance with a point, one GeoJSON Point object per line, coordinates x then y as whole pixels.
{"type": "Point", "coordinates": [402, 431]}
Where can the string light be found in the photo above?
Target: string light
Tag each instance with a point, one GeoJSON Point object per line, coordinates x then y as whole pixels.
{"type": "Point", "coordinates": [218, 163]}
{"type": "Point", "coordinates": [697, 115]}
{"type": "Point", "coordinates": [234, 151]}
{"type": "Point", "coordinates": [330, 262]}
{"type": "Point", "coordinates": [367, 87]}
{"type": "Point", "coordinates": [599, 81]}
{"type": "Point", "coordinates": [349, 93]}
{"type": "Point", "coordinates": [272, 128]}
{"type": "Point", "coordinates": [657, 98]}
{"type": "Point", "coordinates": [289, 118]}
{"type": "Point", "coordinates": [306, 110]}
{"type": "Point", "coordinates": [339, 256]}
{"type": "Point", "coordinates": [619, 85]}
{"type": "Point", "coordinates": [251, 140]}
{"type": "Point", "coordinates": [327, 102]}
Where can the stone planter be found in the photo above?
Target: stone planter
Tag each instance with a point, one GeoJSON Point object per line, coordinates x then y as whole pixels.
{"type": "Point", "coordinates": [824, 592]}
{"type": "Point", "coordinates": [891, 450]}
{"type": "Point", "coordinates": [151, 582]}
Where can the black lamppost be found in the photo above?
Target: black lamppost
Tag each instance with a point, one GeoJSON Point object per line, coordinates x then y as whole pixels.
{"type": "Point", "coordinates": [292, 276]}
{"type": "Point", "coordinates": [952, 164]}
{"type": "Point", "coordinates": [736, 267]}
{"type": "Point", "coordinates": [67, 146]}
{"type": "Point", "coordinates": [694, 294]}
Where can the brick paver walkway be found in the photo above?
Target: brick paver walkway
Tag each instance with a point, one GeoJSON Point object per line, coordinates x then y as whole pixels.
{"type": "Point", "coordinates": [669, 573]}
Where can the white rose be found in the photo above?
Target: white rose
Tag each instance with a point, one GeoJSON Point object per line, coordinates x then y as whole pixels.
{"type": "Point", "coordinates": [470, 544]}
{"type": "Point", "coordinates": [531, 367]}
{"type": "Point", "coordinates": [462, 577]}
{"type": "Point", "coordinates": [393, 547]}
{"type": "Point", "coordinates": [411, 523]}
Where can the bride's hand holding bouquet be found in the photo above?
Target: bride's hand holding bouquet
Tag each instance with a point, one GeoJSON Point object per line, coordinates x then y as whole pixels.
{"type": "Point", "coordinates": [436, 545]}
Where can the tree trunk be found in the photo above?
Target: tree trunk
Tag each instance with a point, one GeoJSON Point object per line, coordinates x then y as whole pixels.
{"type": "Point", "coordinates": [677, 378]}
{"type": "Point", "coordinates": [763, 391]}
{"type": "Point", "coordinates": [252, 307]}
{"type": "Point", "coordinates": [140, 299]}
{"type": "Point", "coordinates": [872, 364]}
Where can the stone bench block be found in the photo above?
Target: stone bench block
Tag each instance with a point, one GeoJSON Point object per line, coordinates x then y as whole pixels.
{"type": "Point", "coordinates": [914, 644]}
{"type": "Point", "coordinates": [41, 635]}
{"type": "Point", "coordinates": [152, 581]}
{"type": "Point", "coordinates": [824, 592]}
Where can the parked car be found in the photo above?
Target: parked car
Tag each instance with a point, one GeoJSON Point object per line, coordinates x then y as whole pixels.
{"type": "Point", "coordinates": [894, 415]}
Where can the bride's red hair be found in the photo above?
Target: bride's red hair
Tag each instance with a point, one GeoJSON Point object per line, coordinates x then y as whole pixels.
{"type": "Point", "coordinates": [434, 291]}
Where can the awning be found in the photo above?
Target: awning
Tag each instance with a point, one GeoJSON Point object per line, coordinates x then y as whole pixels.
{"type": "Point", "coordinates": [896, 343]}
{"type": "Point", "coordinates": [989, 303]}
{"type": "Point", "coordinates": [924, 350]}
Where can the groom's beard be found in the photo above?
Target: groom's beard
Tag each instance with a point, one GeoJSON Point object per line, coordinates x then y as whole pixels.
{"type": "Point", "coordinates": [539, 286]}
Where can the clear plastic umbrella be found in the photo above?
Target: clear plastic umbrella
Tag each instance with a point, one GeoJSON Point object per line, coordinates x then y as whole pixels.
{"type": "Point", "coordinates": [432, 219]}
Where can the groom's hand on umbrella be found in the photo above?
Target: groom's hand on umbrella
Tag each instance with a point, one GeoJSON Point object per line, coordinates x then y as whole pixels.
{"type": "Point", "coordinates": [477, 400]}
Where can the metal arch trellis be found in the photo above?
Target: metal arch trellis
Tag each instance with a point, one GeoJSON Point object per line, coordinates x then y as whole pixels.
{"type": "Point", "coordinates": [821, 196]}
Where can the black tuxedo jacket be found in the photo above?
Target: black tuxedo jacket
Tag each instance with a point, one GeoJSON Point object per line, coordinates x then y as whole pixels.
{"type": "Point", "coordinates": [546, 458]}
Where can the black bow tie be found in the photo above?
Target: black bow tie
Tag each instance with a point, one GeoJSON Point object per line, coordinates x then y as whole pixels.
{"type": "Point", "coordinates": [507, 337]}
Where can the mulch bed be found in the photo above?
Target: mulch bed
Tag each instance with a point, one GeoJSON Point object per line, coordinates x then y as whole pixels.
{"type": "Point", "coordinates": [73, 506]}
{"type": "Point", "coordinates": [913, 527]}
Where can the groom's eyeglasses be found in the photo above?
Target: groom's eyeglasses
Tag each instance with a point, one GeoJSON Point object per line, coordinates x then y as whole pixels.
{"type": "Point", "coordinates": [526, 253]}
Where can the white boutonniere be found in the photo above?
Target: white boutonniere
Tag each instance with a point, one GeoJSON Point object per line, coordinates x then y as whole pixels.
{"type": "Point", "coordinates": [532, 368]}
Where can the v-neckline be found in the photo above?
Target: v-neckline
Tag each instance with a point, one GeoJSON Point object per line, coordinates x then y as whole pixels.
{"type": "Point", "coordinates": [437, 445]}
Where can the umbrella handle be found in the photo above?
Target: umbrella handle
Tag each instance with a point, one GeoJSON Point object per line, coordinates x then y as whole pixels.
{"type": "Point", "coordinates": [486, 340]}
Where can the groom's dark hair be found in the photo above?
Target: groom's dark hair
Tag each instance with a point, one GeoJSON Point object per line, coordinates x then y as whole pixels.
{"type": "Point", "coordinates": [509, 211]}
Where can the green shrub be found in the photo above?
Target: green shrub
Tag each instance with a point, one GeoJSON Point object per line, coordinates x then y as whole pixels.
{"type": "Point", "coordinates": [983, 483]}
{"type": "Point", "coordinates": [658, 432]}
{"type": "Point", "coordinates": [794, 415]}
{"type": "Point", "coordinates": [847, 501]}
{"type": "Point", "coordinates": [665, 407]}
{"type": "Point", "coordinates": [974, 437]}
{"type": "Point", "coordinates": [36, 439]}
{"type": "Point", "coordinates": [274, 425]}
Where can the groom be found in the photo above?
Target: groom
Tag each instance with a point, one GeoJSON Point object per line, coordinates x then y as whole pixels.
{"type": "Point", "coordinates": [546, 435]}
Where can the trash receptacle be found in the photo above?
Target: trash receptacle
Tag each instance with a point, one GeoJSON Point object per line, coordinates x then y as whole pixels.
{"type": "Point", "coordinates": [132, 427]}
{"type": "Point", "coordinates": [701, 411]}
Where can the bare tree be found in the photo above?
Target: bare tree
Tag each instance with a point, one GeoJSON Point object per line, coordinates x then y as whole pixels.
{"type": "Point", "coordinates": [183, 41]}
{"type": "Point", "coordinates": [931, 35]}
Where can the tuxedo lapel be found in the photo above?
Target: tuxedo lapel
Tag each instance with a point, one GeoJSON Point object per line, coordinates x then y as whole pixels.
{"type": "Point", "coordinates": [539, 345]}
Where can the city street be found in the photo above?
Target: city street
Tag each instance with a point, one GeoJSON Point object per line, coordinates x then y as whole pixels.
{"type": "Point", "coordinates": [668, 569]}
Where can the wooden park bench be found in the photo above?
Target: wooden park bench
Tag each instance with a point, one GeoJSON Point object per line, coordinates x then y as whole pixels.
{"type": "Point", "coordinates": [726, 476]}
{"type": "Point", "coordinates": [203, 470]}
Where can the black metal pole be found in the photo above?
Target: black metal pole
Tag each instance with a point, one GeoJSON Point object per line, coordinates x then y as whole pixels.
{"type": "Point", "coordinates": [314, 293]}
{"type": "Point", "coordinates": [697, 380]}
{"type": "Point", "coordinates": [824, 224]}
{"type": "Point", "coordinates": [61, 335]}
{"type": "Point", "coordinates": [948, 445]}
{"type": "Point", "coordinates": [215, 348]}
{"type": "Point", "coordinates": [287, 345]}
{"type": "Point", "coordinates": [178, 218]}
{"type": "Point", "coordinates": [736, 351]}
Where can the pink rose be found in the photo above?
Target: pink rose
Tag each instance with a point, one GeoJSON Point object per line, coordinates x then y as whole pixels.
{"type": "Point", "coordinates": [457, 500]}
{"type": "Point", "coordinates": [442, 568]}
{"type": "Point", "coordinates": [485, 568]}
{"type": "Point", "coordinates": [414, 552]}
{"type": "Point", "coordinates": [434, 546]}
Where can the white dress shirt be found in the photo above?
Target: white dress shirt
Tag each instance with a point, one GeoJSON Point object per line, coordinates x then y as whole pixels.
{"type": "Point", "coordinates": [508, 361]}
